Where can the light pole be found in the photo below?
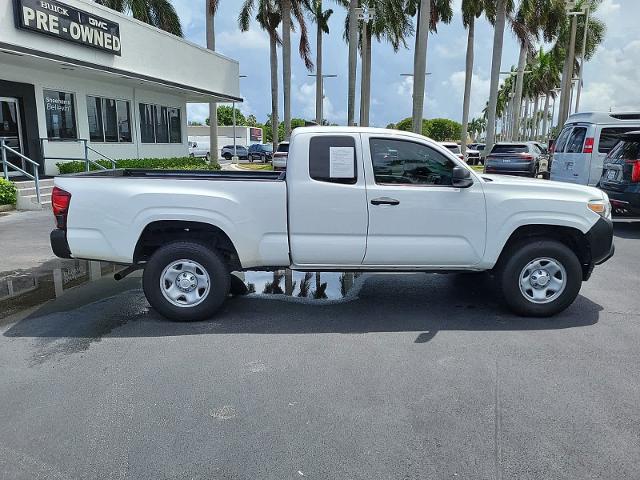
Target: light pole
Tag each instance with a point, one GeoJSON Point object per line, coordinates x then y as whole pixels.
{"type": "Point", "coordinates": [365, 14]}
{"type": "Point", "coordinates": [582, 54]}
{"type": "Point", "coordinates": [567, 75]}
{"type": "Point", "coordinates": [320, 98]}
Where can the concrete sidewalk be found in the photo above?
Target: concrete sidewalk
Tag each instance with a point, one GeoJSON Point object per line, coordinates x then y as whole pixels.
{"type": "Point", "coordinates": [24, 237]}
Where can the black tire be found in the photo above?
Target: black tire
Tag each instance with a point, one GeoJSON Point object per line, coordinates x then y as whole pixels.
{"type": "Point", "coordinates": [207, 157]}
{"type": "Point", "coordinates": [212, 263]}
{"type": "Point", "coordinates": [519, 256]}
{"type": "Point", "coordinates": [227, 156]}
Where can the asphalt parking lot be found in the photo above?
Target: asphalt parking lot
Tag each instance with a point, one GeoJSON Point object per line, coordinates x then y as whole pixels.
{"type": "Point", "coordinates": [408, 377]}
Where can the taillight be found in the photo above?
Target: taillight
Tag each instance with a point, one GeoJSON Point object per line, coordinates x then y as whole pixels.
{"type": "Point", "coordinates": [635, 172]}
{"type": "Point", "coordinates": [526, 156]}
{"type": "Point", "coordinates": [60, 200]}
{"type": "Point", "coordinates": [588, 145]}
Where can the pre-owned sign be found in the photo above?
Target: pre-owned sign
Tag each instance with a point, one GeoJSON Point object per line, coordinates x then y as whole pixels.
{"type": "Point", "coordinates": [62, 21]}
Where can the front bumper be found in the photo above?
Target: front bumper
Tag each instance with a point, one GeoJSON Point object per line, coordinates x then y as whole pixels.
{"type": "Point", "coordinates": [600, 239]}
{"type": "Point", "coordinates": [59, 244]}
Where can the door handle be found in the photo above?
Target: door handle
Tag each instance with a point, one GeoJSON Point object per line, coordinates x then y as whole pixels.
{"type": "Point", "coordinates": [385, 201]}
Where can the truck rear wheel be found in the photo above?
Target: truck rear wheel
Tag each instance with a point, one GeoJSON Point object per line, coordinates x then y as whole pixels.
{"type": "Point", "coordinates": [186, 281]}
{"type": "Point", "coordinates": [539, 278]}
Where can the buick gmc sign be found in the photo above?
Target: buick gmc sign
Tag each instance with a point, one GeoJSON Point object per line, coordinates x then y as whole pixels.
{"type": "Point", "coordinates": [67, 23]}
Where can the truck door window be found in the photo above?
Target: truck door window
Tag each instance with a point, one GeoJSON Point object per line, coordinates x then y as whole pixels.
{"type": "Point", "coordinates": [409, 163]}
{"type": "Point", "coordinates": [329, 158]}
{"type": "Point", "coordinates": [576, 140]}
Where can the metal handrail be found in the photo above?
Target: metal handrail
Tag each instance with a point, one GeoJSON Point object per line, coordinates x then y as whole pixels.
{"type": "Point", "coordinates": [6, 164]}
{"type": "Point", "coordinates": [87, 161]}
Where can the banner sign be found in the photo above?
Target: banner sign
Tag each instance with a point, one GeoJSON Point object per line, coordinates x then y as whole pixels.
{"type": "Point", "coordinates": [255, 134]}
{"type": "Point", "coordinates": [67, 23]}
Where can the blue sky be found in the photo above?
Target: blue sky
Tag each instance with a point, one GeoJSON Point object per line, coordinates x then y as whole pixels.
{"type": "Point", "coordinates": [611, 78]}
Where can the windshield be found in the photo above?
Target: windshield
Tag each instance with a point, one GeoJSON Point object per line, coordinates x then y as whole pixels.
{"type": "Point", "coordinates": [283, 147]}
{"type": "Point", "coordinates": [453, 148]}
{"type": "Point", "coordinates": [266, 147]}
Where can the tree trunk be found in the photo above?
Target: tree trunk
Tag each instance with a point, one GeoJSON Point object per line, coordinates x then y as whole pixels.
{"type": "Point", "coordinates": [353, 60]}
{"type": "Point", "coordinates": [365, 93]}
{"type": "Point", "coordinates": [420, 63]}
{"type": "Point", "coordinates": [468, 74]}
{"type": "Point", "coordinates": [363, 74]}
{"type": "Point", "coordinates": [525, 118]}
{"type": "Point", "coordinates": [545, 116]}
{"type": "Point", "coordinates": [319, 78]}
{"type": "Point", "coordinates": [273, 62]}
{"type": "Point", "coordinates": [534, 125]}
{"type": "Point", "coordinates": [522, 62]}
{"type": "Point", "coordinates": [495, 73]}
{"type": "Point", "coordinates": [214, 153]}
{"type": "Point", "coordinates": [286, 65]}
{"type": "Point", "coordinates": [567, 76]}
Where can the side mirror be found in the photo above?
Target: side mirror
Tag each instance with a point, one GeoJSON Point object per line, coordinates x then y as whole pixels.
{"type": "Point", "coordinates": [461, 177]}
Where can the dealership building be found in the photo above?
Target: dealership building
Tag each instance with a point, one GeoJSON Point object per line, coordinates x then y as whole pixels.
{"type": "Point", "coordinates": [78, 79]}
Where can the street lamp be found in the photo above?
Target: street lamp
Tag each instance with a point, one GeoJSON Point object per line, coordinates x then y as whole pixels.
{"type": "Point", "coordinates": [320, 98]}
{"type": "Point", "coordinates": [582, 54]}
{"type": "Point", "coordinates": [565, 100]}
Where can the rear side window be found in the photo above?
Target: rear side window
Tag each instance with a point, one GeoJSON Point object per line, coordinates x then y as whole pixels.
{"type": "Point", "coordinates": [562, 140]}
{"type": "Point", "coordinates": [333, 159]}
{"type": "Point", "coordinates": [610, 136]}
{"type": "Point", "coordinates": [576, 140]}
{"type": "Point", "coordinates": [510, 149]}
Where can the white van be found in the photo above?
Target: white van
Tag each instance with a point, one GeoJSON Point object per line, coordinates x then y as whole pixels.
{"type": "Point", "coordinates": [199, 147]}
{"type": "Point", "coordinates": [585, 141]}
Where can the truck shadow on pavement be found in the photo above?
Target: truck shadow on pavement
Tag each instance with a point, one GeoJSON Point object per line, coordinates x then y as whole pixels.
{"type": "Point", "coordinates": [421, 303]}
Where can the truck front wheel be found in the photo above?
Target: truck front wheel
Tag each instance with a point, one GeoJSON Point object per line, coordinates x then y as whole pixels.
{"type": "Point", "coordinates": [539, 278]}
{"type": "Point", "coordinates": [186, 281]}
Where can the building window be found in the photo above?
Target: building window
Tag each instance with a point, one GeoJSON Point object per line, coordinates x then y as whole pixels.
{"type": "Point", "coordinates": [175, 125]}
{"type": "Point", "coordinates": [160, 124]}
{"type": "Point", "coordinates": [60, 112]}
{"type": "Point", "coordinates": [109, 120]}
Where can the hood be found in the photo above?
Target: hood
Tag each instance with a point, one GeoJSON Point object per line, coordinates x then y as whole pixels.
{"type": "Point", "coordinates": [543, 185]}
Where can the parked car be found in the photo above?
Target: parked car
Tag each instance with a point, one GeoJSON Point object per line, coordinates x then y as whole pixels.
{"type": "Point", "coordinates": [199, 149]}
{"type": "Point", "coordinates": [473, 157]}
{"type": "Point", "coordinates": [355, 199]}
{"type": "Point", "coordinates": [261, 152]}
{"type": "Point", "coordinates": [621, 175]}
{"type": "Point", "coordinates": [476, 146]}
{"type": "Point", "coordinates": [241, 152]}
{"type": "Point", "coordinates": [279, 160]}
{"type": "Point", "coordinates": [585, 140]}
{"type": "Point", "coordinates": [518, 158]}
{"type": "Point", "coordinates": [453, 148]}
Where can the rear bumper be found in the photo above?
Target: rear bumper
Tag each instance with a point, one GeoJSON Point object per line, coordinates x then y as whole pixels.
{"type": "Point", "coordinates": [624, 203]}
{"type": "Point", "coordinates": [518, 173]}
{"type": "Point", "coordinates": [59, 244]}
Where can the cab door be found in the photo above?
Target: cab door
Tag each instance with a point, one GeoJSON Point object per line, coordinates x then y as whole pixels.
{"type": "Point", "coordinates": [327, 201]}
{"type": "Point", "coordinates": [416, 217]}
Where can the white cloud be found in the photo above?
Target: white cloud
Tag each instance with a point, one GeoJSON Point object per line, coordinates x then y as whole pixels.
{"type": "Point", "coordinates": [197, 112]}
{"type": "Point", "coordinates": [612, 79]}
{"type": "Point", "coordinates": [305, 97]}
{"type": "Point", "coordinates": [479, 91]}
{"type": "Point", "coordinates": [253, 39]}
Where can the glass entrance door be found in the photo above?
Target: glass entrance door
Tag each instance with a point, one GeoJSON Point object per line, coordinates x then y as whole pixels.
{"type": "Point", "coordinates": [11, 131]}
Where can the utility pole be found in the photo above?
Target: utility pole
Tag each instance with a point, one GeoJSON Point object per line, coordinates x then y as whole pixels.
{"type": "Point", "coordinates": [353, 61]}
{"type": "Point", "coordinates": [365, 14]}
{"type": "Point", "coordinates": [582, 54]}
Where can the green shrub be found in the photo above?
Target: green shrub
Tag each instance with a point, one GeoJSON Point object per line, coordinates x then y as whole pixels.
{"type": "Point", "coordinates": [8, 192]}
{"type": "Point", "coordinates": [179, 163]}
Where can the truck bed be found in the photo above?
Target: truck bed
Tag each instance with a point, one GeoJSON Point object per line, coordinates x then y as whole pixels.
{"type": "Point", "coordinates": [183, 174]}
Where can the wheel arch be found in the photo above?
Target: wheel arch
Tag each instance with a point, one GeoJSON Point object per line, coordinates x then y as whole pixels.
{"type": "Point", "coordinates": [572, 237]}
{"type": "Point", "coordinates": [158, 233]}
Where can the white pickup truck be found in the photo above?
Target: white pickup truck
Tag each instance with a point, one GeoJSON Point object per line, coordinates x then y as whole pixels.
{"type": "Point", "coordinates": [352, 199]}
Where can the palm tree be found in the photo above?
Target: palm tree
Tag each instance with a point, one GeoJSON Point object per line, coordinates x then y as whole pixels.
{"type": "Point", "coordinates": [429, 13]}
{"type": "Point", "coordinates": [497, 10]}
{"type": "Point", "coordinates": [533, 19]}
{"type": "Point", "coordinates": [268, 18]}
{"type": "Point", "coordinates": [321, 19]}
{"type": "Point", "coordinates": [159, 13]}
{"type": "Point", "coordinates": [212, 8]}
{"type": "Point", "coordinates": [352, 38]}
{"type": "Point", "coordinates": [471, 9]}
{"type": "Point", "coordinates": [390, 23]}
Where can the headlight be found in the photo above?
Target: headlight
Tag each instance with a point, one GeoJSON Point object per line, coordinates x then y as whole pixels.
{"type": "Point", "coordinates": [601, 207]}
